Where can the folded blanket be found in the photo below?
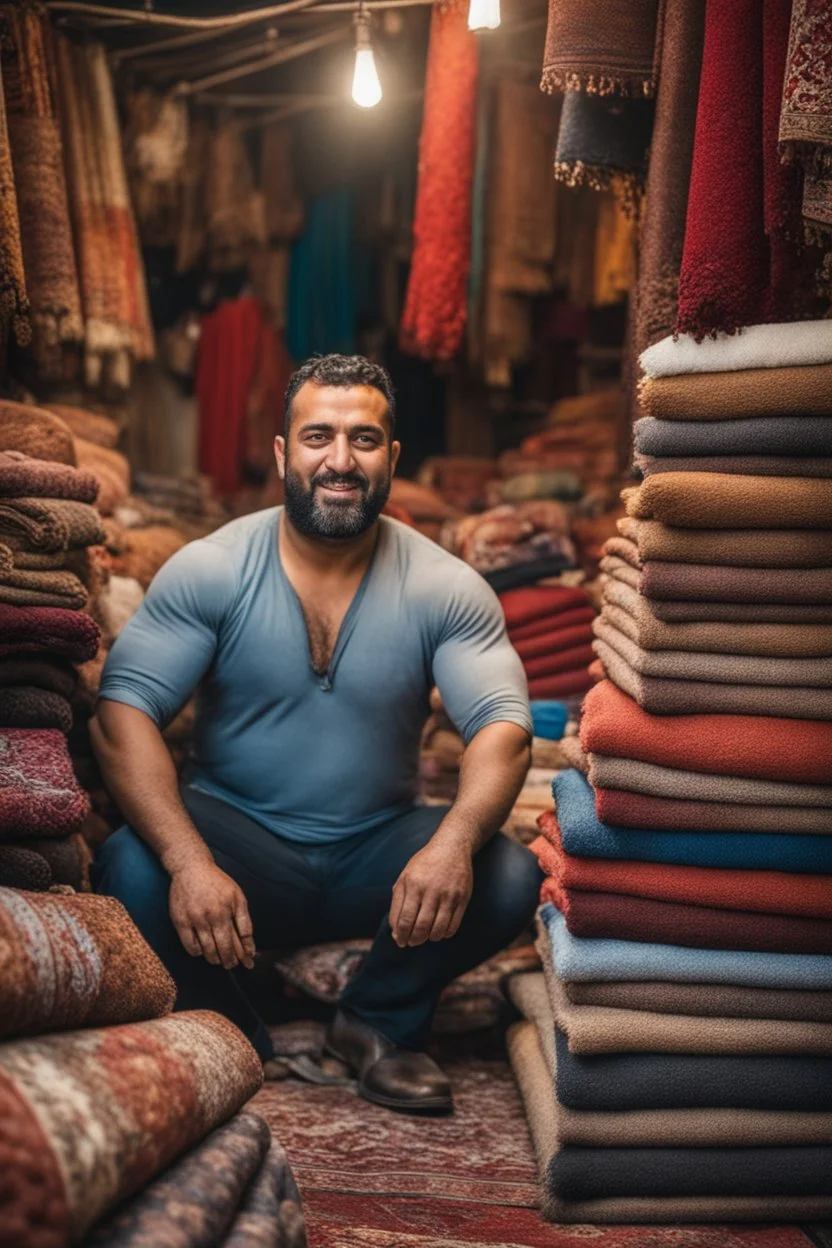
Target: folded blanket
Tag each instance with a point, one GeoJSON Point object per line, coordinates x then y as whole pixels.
{"type": "Point", "coordinates": [693, 1128]}
{"type": "Point", "coordinates": [75, 961]}
{"type": "Point", "coordinates": [26, 706]}
{"type": "Point", "coordinates": [39, 795]}
{"type": "Point", "coordinates": [549, 624]}
{"type": "Point", "coordinates": [583, 835]}
{"type": "Point", "coordinates": [680, 612]}
{"type": "Point", "coordinates": [564, 661]}
{"type": "Point", "coordinates": [757, 346]}
{"type": "Point", "coordinates": [271, 1212]}
{"type": "Point", "coordinates": [652, 778]}
{"type": "Point", "coordinates": [791, 391]}
{"type": "Point", "coordinates": [35, 432]}
{"type": "Point", "coordinates": [558, 640]}
{"type": "Point", "coordinates": [55, 631]}
{"type": "Point", "coordinates": [35, 866]}
{"type": "Point", "coordinates": [540, 602]}
{"type": "Point", "coordinates": [88, 1117]}
{"type": "Point", "coordinates": [611, 916]}
{"type": "Point", "coordinates": [197, 1197]}
{"type": "Point", "coordinates": [56, 675]}
{"type": "Point", "coordinates": [525, 575]}
{"type": "Point", "coordinates": [21, 588]}
{"type": "Point", "coordinates": [743, 548]}
{"type": "Point", "coordinates": [707, 1000]}
{"type": "Point", "coordinates": [767, 890]}
{"type": "Point", "coordinates": [736, 465]}
{"type": "Point", "coordinates": [762, 435]}
{"type": "Point", "coordinates": [638, 810]}
{"type": "Point", "coordinates": [565, 685]}
{"type": "Point", "coordinates": [665, 579]}
{"type": "Point", "coordinates": [631, 615]}
{"type": "Point", "coordinates": [722, 668]}
{"type": "Point", "coordinates": [736, 745]}
{"type": "Point", "coordinates": [708, 500]}
{"type": "Point", "coordinates": [692, 697]}
{"type": "Point", "coordinates": [24, 477]}
{"type": "Point", "coordinates": [49, 524]}
{"type": "Point", "coordinates": [549, 719]}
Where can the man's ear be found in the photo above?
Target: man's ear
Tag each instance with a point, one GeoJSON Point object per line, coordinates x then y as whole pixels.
{"type": "Point", "coordinates": [395, 452]}
{"type": "Point", "coordinates": [280, 456]}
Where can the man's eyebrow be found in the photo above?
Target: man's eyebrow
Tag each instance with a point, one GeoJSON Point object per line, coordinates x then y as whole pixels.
{"type": "Point", "coordinates": [323, 427]}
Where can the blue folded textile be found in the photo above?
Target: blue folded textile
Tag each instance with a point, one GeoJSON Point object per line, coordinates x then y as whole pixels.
{"type": "Point", "coordinates": [549, 719]}
{"type": "Point", "coordinates": [577, 958]}
{"type": "Point", "coordinates": [584, 835]}
{"type": "Point", "coordinates": [762, 435]}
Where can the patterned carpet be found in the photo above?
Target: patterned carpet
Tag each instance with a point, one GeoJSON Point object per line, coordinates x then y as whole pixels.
{"type": "Point", "coordinates": [373, 1179]}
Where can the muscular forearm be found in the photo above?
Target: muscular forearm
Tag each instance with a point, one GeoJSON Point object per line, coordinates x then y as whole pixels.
{"type": "Point", "coordinates": [493, 769]}
{"type": "Point", "coordinates": [140, 775]}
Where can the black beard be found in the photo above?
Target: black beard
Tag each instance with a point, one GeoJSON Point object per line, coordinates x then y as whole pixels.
{"type": "Point", "coordinates": [342, 521]}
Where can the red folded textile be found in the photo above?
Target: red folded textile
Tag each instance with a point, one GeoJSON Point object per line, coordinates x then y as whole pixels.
{"type": "Point", "coordinates": [752, 746]}
{"type": "Point", "coordinates": [547, 623]}
{"type": "Point", "coordinates": [641, 810]}
{"type": "Point", "coordinates": [554, 641]}
{"type": "Point", "coordinates": [771, 892]}
{"type": "Point", "coordinates": [613, 916]}
{"type": "Point", "coordinates": [537, 602]}
{"type": "Point", "coordinates": [562, 686]}
{"type": "Point", "coordinates": [544, 665]}
{"type": "Point", "coordinates": [39, 794]}
{"type": "Point", "coordinates": [55, 630]}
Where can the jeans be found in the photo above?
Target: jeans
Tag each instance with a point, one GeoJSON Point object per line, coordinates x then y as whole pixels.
{"type": "Point", "coordinates": [305, 894]}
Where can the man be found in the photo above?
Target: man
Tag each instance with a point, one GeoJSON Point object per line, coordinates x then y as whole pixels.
{"type": "Point", "coordinates": [314, 633]}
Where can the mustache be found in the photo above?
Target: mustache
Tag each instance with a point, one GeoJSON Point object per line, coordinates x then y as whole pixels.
{"type": "Point", "coordinates": [356, 479]}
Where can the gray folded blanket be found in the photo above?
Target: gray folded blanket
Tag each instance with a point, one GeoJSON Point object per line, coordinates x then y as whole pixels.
{"type": "Point", "coordinates": [606, 772]}
{"type": "Point", "coordinates": [764, 435]}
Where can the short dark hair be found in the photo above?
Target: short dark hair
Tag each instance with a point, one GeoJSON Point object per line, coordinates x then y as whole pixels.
{"type": "Point", "coordinates": [341, 370]}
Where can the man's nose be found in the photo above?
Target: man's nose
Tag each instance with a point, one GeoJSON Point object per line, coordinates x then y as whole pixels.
{"type": "Point", "coordinates": [340, 457]}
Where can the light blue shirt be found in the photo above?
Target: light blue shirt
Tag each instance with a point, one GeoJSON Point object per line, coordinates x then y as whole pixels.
{"type": "Point", "coordinates": [315, 758]}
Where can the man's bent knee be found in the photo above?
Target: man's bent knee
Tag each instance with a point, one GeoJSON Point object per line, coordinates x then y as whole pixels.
{"type": "Point", "coordinates": [511, 887]}
{"type": "Point", "coordinates": [128, 869]}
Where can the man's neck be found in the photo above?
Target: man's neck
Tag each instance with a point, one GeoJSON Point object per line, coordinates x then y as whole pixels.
{"type": "Point", "coordinates": [339, 556]}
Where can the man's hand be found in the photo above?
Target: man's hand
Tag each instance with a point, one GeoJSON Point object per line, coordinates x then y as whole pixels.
{"type": "Point", "coordinates": [210, 913]}
{"type": "Point", "coordinates": [431, 895]}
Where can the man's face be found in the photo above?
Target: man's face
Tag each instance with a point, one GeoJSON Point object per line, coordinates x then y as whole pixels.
{"type": "Point", "coordinates": [337, 460]}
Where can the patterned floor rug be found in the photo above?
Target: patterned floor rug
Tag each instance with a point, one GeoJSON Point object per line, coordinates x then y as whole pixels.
{"type": "Point", "coordinates": [374, 1179]}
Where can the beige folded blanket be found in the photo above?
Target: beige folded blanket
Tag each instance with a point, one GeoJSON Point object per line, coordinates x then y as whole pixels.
{"type": "Point", "coordinates": [607, 772]}
{"type": "Point", "coordinates": [741, 548]}
{"type": "Point", "coordinates": [797, 391]}
{"type": "Point", "coordinates": [704, 697]}
{"type": "Point", "coordinates": [712, 500]}
{"type": "Point", "coordinates": [704, 1000]}
{"type": "Point", "coordinates": [631, 615]}
{"type": "Point", "coordinates": [728, 669]}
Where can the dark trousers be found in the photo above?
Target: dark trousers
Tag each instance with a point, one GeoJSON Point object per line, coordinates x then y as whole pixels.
{"type": "Point", "coordinates": [305, 894]}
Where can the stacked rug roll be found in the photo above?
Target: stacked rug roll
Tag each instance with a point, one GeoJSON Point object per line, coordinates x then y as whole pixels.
{"type": "Point", "coordinates": [120, 1122]}
{"type": "Point", "coordinates": [686, 931]}
{"type": "Point", "coordinates": [550, 627]}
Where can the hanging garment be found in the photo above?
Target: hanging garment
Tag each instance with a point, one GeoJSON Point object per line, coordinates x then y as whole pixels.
{"type": "Point", "coordinates": [323, 298]}
{"type": "Point", "coordinates": [805, 129]}
{"type": "Point", "coordinates": [603, 142]}
{"type": "Point", "coordinates": [433, 322]}
{"type": "Point", "coordinates": [283, 205]}
{"type": "Point", "coordinates": [14, 302]}
{"type": "Point", "coordinates": [603, 48]}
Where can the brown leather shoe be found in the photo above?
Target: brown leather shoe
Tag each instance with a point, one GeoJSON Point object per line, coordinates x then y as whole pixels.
{"type": "Point", "coordinates": [387, 1074]}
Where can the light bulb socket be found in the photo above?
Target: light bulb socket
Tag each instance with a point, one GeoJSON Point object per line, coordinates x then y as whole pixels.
{"type": "Point", "coordinates": [361, 21]}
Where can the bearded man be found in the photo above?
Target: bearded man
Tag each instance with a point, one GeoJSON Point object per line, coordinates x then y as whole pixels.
{"type": "Point", "coordinates": [313, 634]}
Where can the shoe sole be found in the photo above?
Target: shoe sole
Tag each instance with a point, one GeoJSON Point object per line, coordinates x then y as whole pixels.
{"type": "Point", "coordinates": [440, 1105]}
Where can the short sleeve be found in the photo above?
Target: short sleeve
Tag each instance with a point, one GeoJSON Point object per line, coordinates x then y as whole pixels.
{"type": "Point", "coordinates": [166, 648]}
{"type": "Point", "coordinates": [478, 671]}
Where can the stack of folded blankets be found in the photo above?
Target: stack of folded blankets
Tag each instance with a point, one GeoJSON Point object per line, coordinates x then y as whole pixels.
{"type": "Point", "coordinates": [550, 627]}
{"type": "Point", "coordinates": [515, 544]}
{"type": "Point", "coordinates": [120, 1122]}
{"type": "Point", "coordinates": [685, 1023]}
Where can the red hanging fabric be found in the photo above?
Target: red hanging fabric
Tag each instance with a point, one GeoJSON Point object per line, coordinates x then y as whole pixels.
{"type": "Point", "coordinates": [227, 360]}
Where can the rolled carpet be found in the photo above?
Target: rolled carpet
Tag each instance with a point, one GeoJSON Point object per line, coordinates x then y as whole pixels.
{"type": "Point", "coordinates": [583, 835]}
{"type": "Point", "coordinates": [22, 476]}
{"type": "Point", "coordinates": [761, 435]}
{"type": "Point", "coordinates": [88, 1117]}
{"type": "Point", "coordinates": [742, 548]}
{"type": "Point", "coordinates": [725, 584]}
{"type": "Point", "coordinates": [790, 391]}
{"type": "Point", "coordinates": [55, 631]}
{"type": "Point", "coordinates": [691, 697]}
{"type": "Point", "coordinates": [26, 706]}
{"type": "Point", "coordinates": [50, 524]}
{"type": "Point", "coordinates": [740, 465]}
{"type": "Point", "coordinates": [667, 1128]}
{"type": "Point", "coordinates": [795, 343]}
{"type": "Point", "coordinates": [194, 1202]}
{"type": "Point", "coordinates": [614, 961]}
{"type": "Point", "coordinates": [75, 961]}
{"type": "Point", "coordinates": [737, 745]}
{"type": "Point", "coordinates": [612, 916]}
{"type": "Point", "coordinates": [537, 1090]}
{"type": "Point", "coordinates": [705, 1000]}
{"type": "Point", "coordinates": [638, 810]}
{"type": "Point", "coordinates": [271, 1207]}
{"type": "Point", "coordinates": [39, 794]}
{"type": "Point", "coordinates": [657, 781]}
{"type": "Point", "coordinates": [708, 500]}
{"type": "Point", "coordinates": [540, 602]}
{"type": "Point", "coordinates": [744, 669]}
{"type": "Point", "coordinates": [55, 675]}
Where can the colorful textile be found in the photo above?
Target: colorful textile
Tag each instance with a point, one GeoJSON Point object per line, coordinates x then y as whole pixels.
{"type": "Point", "coordinates": [705, 1000]}
{"type": "Point", "coordinates": [788, 391]}
{"type": "Point", "coordinates": [26, 706]}
{"type": "Point", "coordinates": [36, 866]}
{"type": "Point", "coordinates": [582, 834]}
{"type": "Point", "coordinates": [603, 142]}
{"type": "Point", "coordinates": [707, 501]}
{"type": "Point", "coordinates": [22, 476]}
{"type": "Point", "coordinates": [541, 629]}
{"type": "Point", "coordinates": [600, 51]}
{"type": "Point", "coordinates": [765, 435]}
{"type": "Point", "coordinates": [755, 548]}
{"type": "Point", "coordinates": [724, 584]}
{"type": "Point", "coordinates": [49, 524]}
{"type": "Point", "coordinates": [88, 1117]}
{"type": "Point", "coordinates": [549, 719]}
{"type": "Point", "coordinates": [14, 302]}
{"type": "Point", "coordinates": [540, 602]}
{"type": "Point", "coordinates": [435, 309]}
{"type": "Point", "coordinates": [641, 810]}
{"type": "Point", "coordinates": [35, 432]}
{"type": "Point", "coordinates": [51, 630]}
{"type": "Point", "coordinates": [577, 658]}
{"type": "Point", "coordinates": [39, 795]}
{"type": "Point", "coordinates": [806, 116]}
{"type": "Point", "coordinates": [271, 1205]}
{"type": "Point", "coordinates": [55, 675]}
{"type": "Point", "coordinates": [90, 426]}
{"type": "Point", "coordinates": [758, 346]}
{"type": "Point", "coordinates": [195, 1201]}
{"type": "Point", "coordinates": [75, 961]}
{"type": "Point", "coordinates": [742, 465]}
{"type": "Point", "coordinates": [563, 685]}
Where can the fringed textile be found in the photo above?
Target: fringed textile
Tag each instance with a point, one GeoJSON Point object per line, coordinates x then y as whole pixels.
{"type": "Point", "coordinates": [236, 222]}
{"type": "Point", "coordinates": [435, 310]}
{"type": "Point", "coordinates": [14, 302]}
{"type": "Point", "coordinates": [155, 143]}
{"type": "Point", "coordinates": [604, 47]}
{"type": "Point", "coordinates": [603, 142]}
{"type": "Point", "coordinates": [805, 129]}
{"type": "Point", "coordinates": [283, 205]}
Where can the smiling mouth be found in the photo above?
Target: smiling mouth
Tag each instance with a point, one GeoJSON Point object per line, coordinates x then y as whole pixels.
{"type": "Point", "coordinates": [339, 489]}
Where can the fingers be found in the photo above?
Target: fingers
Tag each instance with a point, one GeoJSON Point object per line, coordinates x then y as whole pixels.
{"type": "Point", "coordinates": [442, 922]}
{"type": "Point", "coordinates": [244, 931]}
{"type": "Point", "coordinates": [457, 917]}
{"type": "Point", "coordinates": [227, 942]}
{"type": "Point", "coordinates": [424, 920]}
{"type": "Point", "coordinates": [208, 945]}
{"type": "Point", "coordinates": [396, 906]}
{"type": "Point", "coordinates": [189, 939]}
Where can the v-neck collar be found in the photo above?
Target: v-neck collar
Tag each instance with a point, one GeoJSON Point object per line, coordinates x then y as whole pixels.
{"type": "Point", "coordinates": [326, 679]}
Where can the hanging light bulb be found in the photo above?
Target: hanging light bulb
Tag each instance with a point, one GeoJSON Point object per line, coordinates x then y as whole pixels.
{"type": "Point", "coordinates": [366, 88]}
{"type": "Point", "coordinates": [483, 14]}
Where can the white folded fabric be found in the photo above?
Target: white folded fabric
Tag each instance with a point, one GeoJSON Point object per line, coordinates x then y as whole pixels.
{"type": "Point", "coordinates": [758, 346]}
